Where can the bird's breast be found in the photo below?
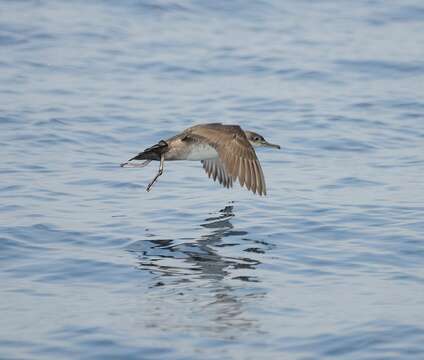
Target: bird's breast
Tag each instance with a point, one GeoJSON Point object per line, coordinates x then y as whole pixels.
{"type": "Point", "coordinates": [201, 152]}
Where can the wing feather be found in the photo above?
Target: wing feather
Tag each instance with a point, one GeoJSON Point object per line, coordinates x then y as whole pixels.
{"type": "Point", "coordinates": [216, 171]}
{"type": "Point", "coordinates": [242, 174]}
{"type": "Point", "coordinates": [253, 175]}
{"type": "Point", "coordinates": [258, 178]}
{"type": "Point", "coordinates": [237, 158]}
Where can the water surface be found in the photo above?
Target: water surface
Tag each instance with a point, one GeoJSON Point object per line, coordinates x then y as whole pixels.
{"type": "Point", "coordinates": [328, 265]}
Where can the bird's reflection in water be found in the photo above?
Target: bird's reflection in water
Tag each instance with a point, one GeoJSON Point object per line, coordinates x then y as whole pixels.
{"type": "Point", "coordinates": [198, 267]}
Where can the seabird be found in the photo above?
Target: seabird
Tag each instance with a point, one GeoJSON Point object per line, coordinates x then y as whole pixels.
{"type": "Point", "coordinates": [226, 152]}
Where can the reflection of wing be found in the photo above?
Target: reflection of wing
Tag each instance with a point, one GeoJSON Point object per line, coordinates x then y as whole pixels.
{"type": "Point", "coordinates": [237, 158]}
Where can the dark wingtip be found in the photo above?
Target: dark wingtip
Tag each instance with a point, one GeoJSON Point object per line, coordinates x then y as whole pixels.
{"type": "Point", "coordinates": [123, 164]}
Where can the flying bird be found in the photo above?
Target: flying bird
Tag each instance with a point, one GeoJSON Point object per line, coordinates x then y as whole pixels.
{"type": "Point", "coordinates": [226, 152]}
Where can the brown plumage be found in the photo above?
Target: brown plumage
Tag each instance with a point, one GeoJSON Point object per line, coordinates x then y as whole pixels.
{"type": "Point", "coordinates": [236, 157]}
{"type": "Point", "coordinates": [226, 153]}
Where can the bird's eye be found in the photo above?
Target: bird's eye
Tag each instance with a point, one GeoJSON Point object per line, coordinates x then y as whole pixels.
{"type": "Point", "coordinates": [256, 139]}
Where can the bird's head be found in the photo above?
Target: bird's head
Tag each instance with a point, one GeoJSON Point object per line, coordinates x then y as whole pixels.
{"type": "Point", "coordinates": [257, 140]}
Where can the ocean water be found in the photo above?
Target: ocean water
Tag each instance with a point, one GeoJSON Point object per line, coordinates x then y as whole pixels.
{"type": "Point", "coordinates": [330, 265]}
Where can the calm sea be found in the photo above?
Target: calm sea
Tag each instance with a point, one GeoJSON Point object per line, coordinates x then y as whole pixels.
{"type": "Point", "coordinates": [330, 265]}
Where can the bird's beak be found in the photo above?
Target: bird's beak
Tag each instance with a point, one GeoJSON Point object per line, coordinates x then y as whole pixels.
{"type": "Point", "coordinates": [267, 144]}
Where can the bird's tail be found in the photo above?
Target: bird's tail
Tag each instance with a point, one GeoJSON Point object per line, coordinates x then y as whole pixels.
{"type": "Point", "coordinates": [152, 153]}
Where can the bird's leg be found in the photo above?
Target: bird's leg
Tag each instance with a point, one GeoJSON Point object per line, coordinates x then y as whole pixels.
{"type": "Point", "coordinates": [134, 165]}
{"type": "Point", "coordinates": [162, 159]}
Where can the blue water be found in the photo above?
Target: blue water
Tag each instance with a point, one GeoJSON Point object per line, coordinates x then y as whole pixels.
{"type": "Point", "coordinates": [330, 265]}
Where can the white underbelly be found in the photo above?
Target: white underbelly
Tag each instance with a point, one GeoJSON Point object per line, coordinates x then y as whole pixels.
{"type": "Point", "coordinates": [202, 152]}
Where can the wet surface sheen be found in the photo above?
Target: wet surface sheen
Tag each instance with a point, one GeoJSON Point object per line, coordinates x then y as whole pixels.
{"type": "Point", "coordinates": [328, 266]}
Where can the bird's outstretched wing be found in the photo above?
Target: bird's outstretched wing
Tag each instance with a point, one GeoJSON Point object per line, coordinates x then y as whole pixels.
{"type": "Point", "coordinates": [216, 170]}
{"type": "Point", "coordinates": [237, 158]}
